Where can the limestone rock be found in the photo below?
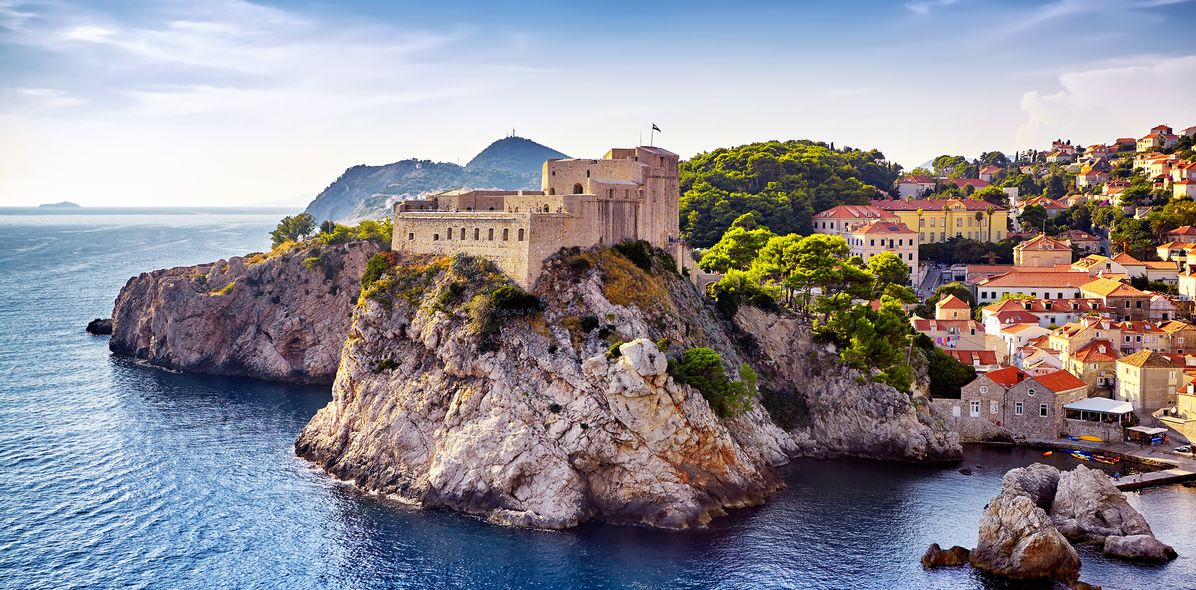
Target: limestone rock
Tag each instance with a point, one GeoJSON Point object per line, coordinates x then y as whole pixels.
{"type": "Point", "coordinates": [1144, 548]}
{"type": "Point", "coordinates": [842, 412]}
{"type": "Point", "coordinates": [1038, 482]}
{"type": "Point", "coordinates": [278, 319]}
{"type": "Point", "coordinates": [1088, 507]}
{"type": "Point", "coordinates": [1017, 538]}
{"type": "Point", "coordinates": [100, 326]}
{"type": "Point", "coordinates": [936, 556]}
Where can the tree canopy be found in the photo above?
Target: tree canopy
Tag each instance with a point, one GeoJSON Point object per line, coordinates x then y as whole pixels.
{"type": "Point", "coordinates": [785, 183]}
{"type": "Point", "coordinates": [294, 228]}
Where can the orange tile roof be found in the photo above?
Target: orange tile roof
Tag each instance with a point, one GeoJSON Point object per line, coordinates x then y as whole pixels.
{"type": "Point", "coordinates": [884, 227]}
{"type": "Point", "coordinates": [1092, 353]}
{"type": "Point", "coordinates": [854, 212]}
{"type": "Point", "coordinates": [1043, 242]}
{"type": "Point", "coordinates": [953, 302]}
{"type": "Point", "coordinates": [1123, 259]}
{"type": "Point", "coordinates": [932, 204]}
{"type": "Point", "coordinates": [1183, 230]}
{"type": "Point", "coordinates": [1059, 381]}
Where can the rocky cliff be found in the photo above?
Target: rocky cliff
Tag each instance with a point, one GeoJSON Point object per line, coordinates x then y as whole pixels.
{"type": "Point", "coordinates": [456, 391]}
{"type": "Point", "coordinates": [281, 316]}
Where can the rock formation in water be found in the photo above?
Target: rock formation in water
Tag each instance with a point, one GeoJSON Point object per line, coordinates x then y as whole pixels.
{"type": "Point", "coordinates": [100, 327]}
{"type": "Point", "coordinates": [1017, 538]}
{"type": "Point", "coordinates": [281, 316]}
{"type": "Point", "coordinates": [455, 393]}
{"type": "Point", "coordinates": [1025, 530]}
{"type": "Point", "coordinates": [1089, 508]}
{"type": "Point", "coordinates": [936, 556]}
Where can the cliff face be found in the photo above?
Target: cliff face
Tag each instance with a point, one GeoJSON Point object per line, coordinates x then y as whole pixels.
{"type": "Point", "coordinates": [282, 317]}
{"type": "Point", "coordinates": [834, 410]}
{"type": "Point", "coordinates": [448, 397]}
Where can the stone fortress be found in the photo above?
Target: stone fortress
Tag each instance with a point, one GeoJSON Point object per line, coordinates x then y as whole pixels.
{"type": "Point", "coordinates": [629, 194]}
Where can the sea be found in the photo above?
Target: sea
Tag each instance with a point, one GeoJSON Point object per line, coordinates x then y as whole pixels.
{"type": "Point", "coordinates": [114, 474]}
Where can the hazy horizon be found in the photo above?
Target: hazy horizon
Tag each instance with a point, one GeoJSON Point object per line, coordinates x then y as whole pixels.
{"type": "Point", "coordinates": [236, 103]}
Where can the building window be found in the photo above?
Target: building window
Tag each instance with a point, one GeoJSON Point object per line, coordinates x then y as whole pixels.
{"type": "Point", "coordinates": [992, 406]}
{"type": "Point", "coordinates": [449, 234]}
{"type": "Point", "coordinates": [490, 234]}
{"type": "Point", "coordinates": [983, 389]}
{"type": "Point", "coordinates": [577, 190]}
{"type": "Point", "coordinates": [1042, 410]}
{"type": "Point", "coordinates": [477, 233]}
{"type": "Point", "coordinates": [410, 236]}
{"type": "Point", "coordinates": [506, 234]}
{"type": "Point", "coordinates": [462, 233]}
{"type": "Point", "coordinates": [1030, 392]}
{"type": "Point", "coordinates": [1017, 409]}
{"type": "Point", "coordinates": [435, 237]}
{"type": "Point", "coordinates": [520, 234]}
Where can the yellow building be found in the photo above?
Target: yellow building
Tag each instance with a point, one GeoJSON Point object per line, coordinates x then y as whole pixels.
{"type": "Point", "coordinates": [1147, 380]}
{"type": "Point", "coordinates": [938, 220]}
{"type": "Point", "coordinates": [1042, 251]}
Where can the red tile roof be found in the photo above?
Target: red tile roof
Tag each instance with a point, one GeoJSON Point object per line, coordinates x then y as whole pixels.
{"type": "Point", "coordinates": [885, 227]}
{"type": "Point", "coordinates": [1007, 376]}
{"type": "Point", "coordinates": [971, 357]}
{"type": "Point", "coordinates": [854, 212]}
{"type": "Point", "coordinates": [952, 302]}
{"type": "Point", "coordinates": [1052, 279]}
{"type": "Point", "coordinates": [1059, 381]}
{"type": "Point", "coordinates": [1043, 242]}
{"type": "Point", "coordinates": [915, 179]}
{"type": "Point", "coordinates": [1092, 352]}
{"type": "Point", "coordinates": [932, 204]}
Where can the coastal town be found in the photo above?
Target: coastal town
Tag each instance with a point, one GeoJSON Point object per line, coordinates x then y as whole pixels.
{"type": "Point", "coordinates": [1086, 331]}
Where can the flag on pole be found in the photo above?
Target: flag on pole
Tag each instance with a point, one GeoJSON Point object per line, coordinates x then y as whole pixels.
{"type": "Point", "coordinates": [655, 128]}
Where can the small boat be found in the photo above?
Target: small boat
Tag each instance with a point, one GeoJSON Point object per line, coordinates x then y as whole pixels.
{"type": "Point", "coordinates": [1048, 453]}
{"type": "Point", "coordinates": [1106, 460]}
{"type": "Point", "coordinates": [1081, 456]}
{"type": "Point", "coordinates": [1091, 438]}
{"type": "Point", "coordinates": [1072, 437]}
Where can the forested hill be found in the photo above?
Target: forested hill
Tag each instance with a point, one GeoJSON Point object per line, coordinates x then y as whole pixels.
{"type": "Point", "coordinates": [785, 181]}
{"type": "Point", "coordinates": [362, 192]}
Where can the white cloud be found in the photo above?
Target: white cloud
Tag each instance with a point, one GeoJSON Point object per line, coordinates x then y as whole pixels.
{"type": "Point", "coordinates": [1125, 96]}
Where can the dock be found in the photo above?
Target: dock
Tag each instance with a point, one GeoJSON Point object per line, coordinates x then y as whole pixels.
{"type": "Point", "coordinates": [1138, 481]}
{"type": "Point", "coordinates": [1174, 468]}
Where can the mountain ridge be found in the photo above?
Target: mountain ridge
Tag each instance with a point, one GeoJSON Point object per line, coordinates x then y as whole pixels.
{"type": "Point", "coordinates": [364, 191]}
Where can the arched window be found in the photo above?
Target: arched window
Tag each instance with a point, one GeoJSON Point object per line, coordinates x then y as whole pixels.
{"type": "Point", "coordinates": [492, 208]}
{"type": "Point", "coordinates": [520, 234]}
{"type": "Point", "coordinates": [546, 207]}
{"type": "Point", "coordinates": [490, 234]}
{"type": "Point", "coordinates": [552, 190]}
{"type": "Point", "coordinates": [435, 237]}
{"type": "Point", "coordinates": [449, 234]}
{"type": "Point", "coordinates": [462, 233]}
{"type": "Point", "coordinates": [477, 233]}
{"type": "Point", "coordinates": [506, 234]}
{"type": "Point", "coordinates": [577, 190]}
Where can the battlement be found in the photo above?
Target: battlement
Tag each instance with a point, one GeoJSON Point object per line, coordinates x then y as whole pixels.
{"type": "Point", "coordinates": [630, 194]}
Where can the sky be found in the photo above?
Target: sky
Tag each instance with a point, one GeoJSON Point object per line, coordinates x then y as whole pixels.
{"type": "Point", "coordinates": [228, 102]}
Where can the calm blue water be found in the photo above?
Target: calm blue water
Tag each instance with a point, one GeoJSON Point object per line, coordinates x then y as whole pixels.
{"type": "Point", "coordinates": [115, 475]}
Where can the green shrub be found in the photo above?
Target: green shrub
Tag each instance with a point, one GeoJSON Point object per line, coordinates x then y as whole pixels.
{"type": "Point", "coordinates": [639, 252]}
{"type": "Point", "coordinates": [737, 288]}
{"type": "Point", "coordinates": [311, 262]}
{"type": "Point", "coordinates": [226, 290]}
{"type": "Point", "coordinates": [513, 301]}
{"type": "Point", "coordinates": [339, 234]}
{"type": "Point", "coordinates": [374, 269]}
{"type": "Point", "coordinates": [613, 352]}
{"type": "Point", "coordinates": [702, 369]}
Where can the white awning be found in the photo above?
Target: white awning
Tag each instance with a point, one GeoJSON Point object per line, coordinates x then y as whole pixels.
{"type": "Point", "coordinates": [1101, 404]}
{"type": "Point", "coordinates": [1146, 430]}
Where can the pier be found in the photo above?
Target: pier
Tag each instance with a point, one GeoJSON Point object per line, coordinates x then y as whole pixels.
{"type": "Point", "coordinates": [1175, 468]}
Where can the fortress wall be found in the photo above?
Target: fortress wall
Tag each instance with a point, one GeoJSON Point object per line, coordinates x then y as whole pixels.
{"type": "Point", "coordinates": [427, 233]}
{"type": "Point", "coordinates": [560, 176]}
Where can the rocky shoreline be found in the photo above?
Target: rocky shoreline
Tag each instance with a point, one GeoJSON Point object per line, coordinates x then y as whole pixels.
{"type": "Point", "coordinates": [565, 414]}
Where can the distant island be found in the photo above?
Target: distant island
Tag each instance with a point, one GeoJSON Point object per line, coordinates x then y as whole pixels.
{"type": "Point", "coordinates": [61, 204]}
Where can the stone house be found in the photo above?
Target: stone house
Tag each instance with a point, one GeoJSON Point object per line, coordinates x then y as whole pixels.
{"type": "Point", "coordinates": [1130, 303]}
{"type": "Point", "coordinates": [629, 194]}
{"type": "Point", "coordinates": [1095, 363]}
{"type": "Point", "coordinates": [1024, 405]}
{"type": "Point", "coordinates": [1147, 380]}
{"type": "Point", "coordinates": [1140, 335]}
{"type": "Point", "coordinates": [952, 308]}
{"type": "Point", "coordinates": [1037, 284]}
{"type": "Point", "coordinates": [886, 235]}
{"type": "Point", "coordinates": [1178, 337]}
{"type": "Point", "coordinates": [948, 334]}
{"type": "Point", "coordinates": [842, 219]}
{"type": "Point", "coordinates": [1081, 240]}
